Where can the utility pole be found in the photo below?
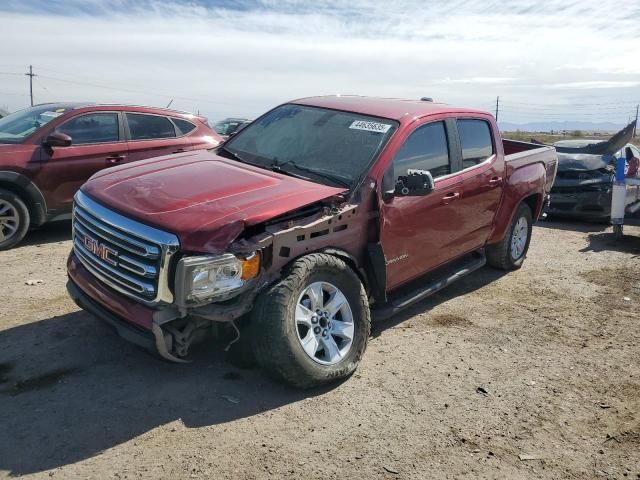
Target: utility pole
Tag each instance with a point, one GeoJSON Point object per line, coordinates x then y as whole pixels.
{"type": "Point", "coordinates": [635, 127]}
{"type": "Point", "coordinates": [497, 107]}
{"type": "Point", "coordinates": [31, 75]}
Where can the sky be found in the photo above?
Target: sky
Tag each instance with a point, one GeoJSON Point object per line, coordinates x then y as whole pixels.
{"type": "Point", "coordinates": [551, 60]}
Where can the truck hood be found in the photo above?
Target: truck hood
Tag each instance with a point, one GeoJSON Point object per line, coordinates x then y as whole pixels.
{"type": "Point", "coordinates": [204, 199]}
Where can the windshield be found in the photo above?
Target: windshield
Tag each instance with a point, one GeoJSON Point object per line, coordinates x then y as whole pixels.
{"type": "Point", "coordinates": [227, 127]}
{"type": "Point", "coordinates": [319, 144]}
{"type": "Point", "coordinates": [16, 127]}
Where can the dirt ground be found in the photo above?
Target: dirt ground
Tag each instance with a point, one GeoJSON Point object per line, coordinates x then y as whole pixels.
{"type": "Point", "coordinates": [532, 374]}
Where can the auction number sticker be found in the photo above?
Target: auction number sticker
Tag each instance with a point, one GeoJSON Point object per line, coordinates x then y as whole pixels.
{"type": "Point", "coordinates": [370, 126]}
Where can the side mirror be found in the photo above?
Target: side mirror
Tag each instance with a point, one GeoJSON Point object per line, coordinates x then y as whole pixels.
{"type": "Point", "coordinates": [57, 139]}
{"type": "Point", "coordinates": [388, 185]}
{"type": "Point", "coordinates": [416, 183]}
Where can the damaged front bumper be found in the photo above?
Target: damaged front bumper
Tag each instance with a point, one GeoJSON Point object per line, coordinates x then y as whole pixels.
{"type": "Point", "coordinates": [127, 330]}
{"type": "Point", "coordinates": [581, 199]}
{"type": "Point", "coordinates": [163, 330]}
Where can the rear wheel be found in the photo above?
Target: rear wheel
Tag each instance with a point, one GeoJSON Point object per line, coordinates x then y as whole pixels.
{"type": "Point", "coordinates": [312, 327]}
{"type": "Point", "coordinates": [510, 252]}
{"type": "Point", "coordinates": [14, 219]}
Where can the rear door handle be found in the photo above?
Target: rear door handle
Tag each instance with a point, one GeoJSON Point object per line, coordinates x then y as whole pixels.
{"type": "Point", "coordinates": [495, 181]}
{"type": "Point", "coordinates": [113, 159]}
{"type": "Point", "coordinates": [450, 197]}
{"type": "Point", "coordinates": [180, 150]}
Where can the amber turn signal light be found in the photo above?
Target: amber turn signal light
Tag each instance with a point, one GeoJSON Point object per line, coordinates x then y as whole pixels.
{"type": "Point", "coordinates": [250, 266]}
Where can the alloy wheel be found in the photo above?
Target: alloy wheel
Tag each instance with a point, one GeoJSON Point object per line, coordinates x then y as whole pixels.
{"type": "Point", "coordinates": [324, 323]}
{"type": "Point", "coordinates": [519, 238]}
{"type": "Point", "coordinates": [9, 220]}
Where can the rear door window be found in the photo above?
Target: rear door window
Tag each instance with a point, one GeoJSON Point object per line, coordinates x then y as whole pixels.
{"type": "Point", "coordinates": [149, 127]}
{"type": "Point", "coordinates": [183, 125]}
{"type": "Point", "coordinates": [475, 140]}
{"type": "Point", "coordinates": [92, 128]}
{"type": "Point", "coordinates": [425, 149]}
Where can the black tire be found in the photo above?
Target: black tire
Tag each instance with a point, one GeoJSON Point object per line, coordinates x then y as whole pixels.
{"type": "Point", "coordinates": [277, 347]}
{"type": "Point", "coordinates": [500, 255]}
{"type": "Point", "coordinates": [12, 231]}
{"type": "Point", "coordinates": [241, 354]}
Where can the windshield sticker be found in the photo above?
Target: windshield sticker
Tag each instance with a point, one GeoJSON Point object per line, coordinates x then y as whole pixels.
{"type": "Point", "coordinates": [51, 114]}
{"type": "Point", "coordinates": [370, 126]}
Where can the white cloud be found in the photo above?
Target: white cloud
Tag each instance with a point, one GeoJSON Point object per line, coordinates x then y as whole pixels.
{"type": "Point", "coordinates": [593, 84]}
{"type": "Point", "coordinates": [225, 61]}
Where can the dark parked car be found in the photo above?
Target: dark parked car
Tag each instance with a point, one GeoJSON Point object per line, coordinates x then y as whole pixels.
{"type": "Point", "coordinates": [227, 127]}
{"type": "Point", "coordinates": [48, 151]}
{"type": "Point", "coordinates": [586, 170]}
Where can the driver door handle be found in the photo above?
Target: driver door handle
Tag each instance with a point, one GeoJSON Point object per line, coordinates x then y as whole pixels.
{"type": "Point", "coordinates": [180, 150]}
{"type": "Point", "coordinates": [495, 181]}
{"type": "Point", "coordinates": [113, 159]}
{"type": "Point", "coordinates": [450, 197]}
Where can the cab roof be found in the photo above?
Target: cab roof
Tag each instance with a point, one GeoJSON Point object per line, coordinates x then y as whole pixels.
{"type": "Point", "coordinates": [399, 109]}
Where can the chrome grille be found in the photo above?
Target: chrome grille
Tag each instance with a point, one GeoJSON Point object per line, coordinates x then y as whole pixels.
{"type": "Point", "coordinates": [129, 256]}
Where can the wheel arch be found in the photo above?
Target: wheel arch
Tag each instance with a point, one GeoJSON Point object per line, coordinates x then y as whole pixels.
{"type": "Point", "coordinates": [534, 201]}
{"type": "Point", "coordinates": [350, 260]}
{"type": "Point", "coordinates": [29, 193]}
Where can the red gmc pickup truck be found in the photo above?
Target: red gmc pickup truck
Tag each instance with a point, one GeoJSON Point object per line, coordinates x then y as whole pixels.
{"type": "Point", "coordinates": [320, 215]}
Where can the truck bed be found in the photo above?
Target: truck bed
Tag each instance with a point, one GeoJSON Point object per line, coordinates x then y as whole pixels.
{"type": "Point", "coordinates": [520, 154]}
{"type": "Point", "coordinates": [515, 150]}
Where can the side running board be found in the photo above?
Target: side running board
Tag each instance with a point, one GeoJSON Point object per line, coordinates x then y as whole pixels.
{"type": "Point", "coordinates": [420, 289]}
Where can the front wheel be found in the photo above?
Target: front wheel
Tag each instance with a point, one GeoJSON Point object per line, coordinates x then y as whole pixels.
{"type": "Point", "coordinates": [14, 219]}
{"type": "Point", "coordinates": [510, 252]}
{"type": "Point", "coordinates": [312, 326]}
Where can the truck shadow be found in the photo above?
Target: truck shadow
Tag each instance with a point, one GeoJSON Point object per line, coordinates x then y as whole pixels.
{"type": "Point", "coordinates": [573, 225]}
{"type": "Point", "coordinates": [468, 284]}
{"type": "Point", "coordinates": [48, 233]}
{"type": "Point", "coordinates": [70, 388]}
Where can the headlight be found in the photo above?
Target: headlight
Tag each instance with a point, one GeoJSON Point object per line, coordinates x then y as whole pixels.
{"type": "Point", "coordinates": [214, 277]}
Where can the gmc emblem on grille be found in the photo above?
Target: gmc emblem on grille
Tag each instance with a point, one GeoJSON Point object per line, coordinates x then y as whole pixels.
{"type": "Point", "coordinates": [100, 250]}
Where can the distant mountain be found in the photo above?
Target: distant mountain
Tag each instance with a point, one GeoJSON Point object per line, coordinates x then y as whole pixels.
{"type": "Point", "coordinates": [559, 126]}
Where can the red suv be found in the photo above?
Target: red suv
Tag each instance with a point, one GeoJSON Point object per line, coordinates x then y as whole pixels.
{"type": "Point", "coordinates": [48, 151]}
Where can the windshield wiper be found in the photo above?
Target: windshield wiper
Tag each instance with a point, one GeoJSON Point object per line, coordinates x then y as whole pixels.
{"type": "Point", "coordinates": [277, 167]}
{"type": "Point", "coordinates": [237, 156]}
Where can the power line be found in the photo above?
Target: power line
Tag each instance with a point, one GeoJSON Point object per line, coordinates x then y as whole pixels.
{"type": "Point", "coordinates": [574, 104]}
{"type": "Point", "coordinates": [138, 92]}
{"type": "Point", "coordinates": [13, 94]}
{"type": "Point", "coordinates": [621, 107]}
{"type": "Point", "coordinates": [568, 113]}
